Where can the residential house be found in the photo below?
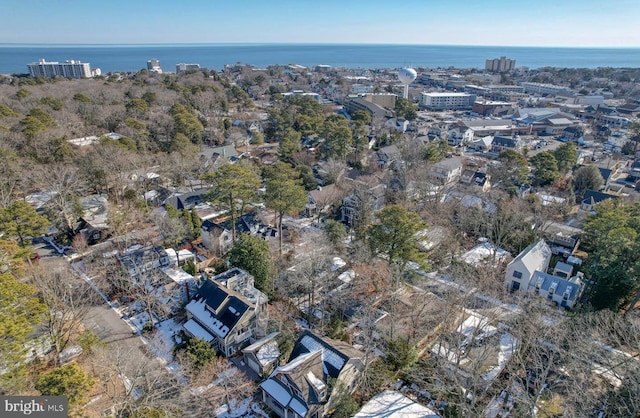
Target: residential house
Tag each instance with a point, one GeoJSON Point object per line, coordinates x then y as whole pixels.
{"type": "Point", "coordinates": [520, 270]}
{"type": "Point", "coordinates": [188, 200]}
{"type": "Point", "coordinates": [477, 179]}
{"type": "Point", "coordinates": [563, 236]}
{"type": "Point", "coordinates": [225, 311]}
{"type": "Point", "coordinates": [322, 199]}
{"type": "Point", "coordinates": [592, 198]}
{"type": "Point", "coordinates": [143, 260]}
{"type": "Point", "coordinates": [572, 133]}
{"type": "Point", "coordinates": [93, 224]}
{"type": "Point", "coordinates": [502, 143]}
{"type": "Point", "coordinates": [301, 388]}
{"type": "Point", "coordinates": [227, 151]}
{"type": "Point", "coordinates": [455, 136]}
{"type": "Point", "coordinates": [392, 404]}
{"type": "Point", "coordinates": [388, 156]}
{"type": "Point", "coordinates": [263, 355]}
{"type": "Point", "coordinates": [447, 171]}
{"type": "Point", "coordinates": [218, 236]}
{"type": "Point", "coordinates": [482, 144]}
{"type": "Point", "coordinates": [563, 292]}
{"type": "Point", "coordinates": [399, 124]}
{"type": "Point", "coordinates": [364, 198]}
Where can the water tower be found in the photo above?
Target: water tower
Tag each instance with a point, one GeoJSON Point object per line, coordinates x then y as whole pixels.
{"type": "Point", "coordinates": [406, 77]}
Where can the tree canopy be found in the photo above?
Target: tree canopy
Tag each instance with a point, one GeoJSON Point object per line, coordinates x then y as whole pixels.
{"type": "Point", "coordinates": [513, 168]}
{"type": "Point", "coordinates": [20, 220]}
{"type": "Point", "coordinates": [69, 380]}
{"type": "Point", "coordinates": [236, 185]}
{"type": "Point", "coordinates": [337, 135]}
{"type": "Point", "coordinates": [20, 312]}
{"type": "Point", "coordinates": [405, 108]}
{"type": "Point", "coordinates": [284, 192]}
{"type": "Point", "coordinates": [251, 253]}
{"type": "Point", "coordinates": [566, 156]}
{"type": "Point", "coordinates": [612, 237]}
{"type": "Point", "coordinates": [545, 168]}
{"type": "Point", "coordinates": [587, 177]}
{"type": "Point", "coordinates": [394, 236]}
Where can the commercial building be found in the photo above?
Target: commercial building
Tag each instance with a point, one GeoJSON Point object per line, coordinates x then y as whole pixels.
{"type": "Point", "coordinates": [386, 100]}
{"type": "Point", "coordinates": [544, 89]}
{"type": "Point", "coordinates": [354, 103]}
{"type": "Point", "coordinates": [500, 64]}
{"type": "Point", "coordinates": [446, 101]}
{"type": "Point", "coordinates": [182, 67]}
{"type": "Point", "coordinates": [69, 69]}
{"type": "Point", "coordinates": [153, 65]}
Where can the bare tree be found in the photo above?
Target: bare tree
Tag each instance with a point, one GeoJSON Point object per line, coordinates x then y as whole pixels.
{"type": "Point", "coordinates": [68, 300]}
{"type": "Point", "coordinates": [135, 381]}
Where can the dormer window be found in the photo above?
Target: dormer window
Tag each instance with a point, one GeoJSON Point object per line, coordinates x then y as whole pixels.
{"type": "Point", "coordinates": [552, 288]}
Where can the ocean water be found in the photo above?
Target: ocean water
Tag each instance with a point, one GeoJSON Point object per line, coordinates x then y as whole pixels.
{"type": "Point", "coordinates": [110, 58]}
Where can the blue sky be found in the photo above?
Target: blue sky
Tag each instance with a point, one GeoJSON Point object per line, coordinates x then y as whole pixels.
{"type": "Point", "coordinates": [586, 23]}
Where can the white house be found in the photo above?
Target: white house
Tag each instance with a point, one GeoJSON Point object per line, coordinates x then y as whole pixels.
{"type": "Point", "coordinates": [447, 170]}
{"type": "Point", "coordinates": [563, 292]}
{"type": "Point", "coordinates": [521, 269]}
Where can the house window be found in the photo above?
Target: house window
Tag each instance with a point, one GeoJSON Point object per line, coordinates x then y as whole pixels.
{"type": "Point", "coordinates": [517, 274]}
{"type": "Point", "coordinates": [515, 285]}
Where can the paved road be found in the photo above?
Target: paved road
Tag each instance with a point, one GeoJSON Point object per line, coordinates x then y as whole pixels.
{"type": "Point", "coordinates": [107, 325]}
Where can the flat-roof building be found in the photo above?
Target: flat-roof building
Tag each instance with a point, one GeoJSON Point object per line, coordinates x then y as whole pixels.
{"type": "Point", "coordinates": [182, 67]}
{"type": "Point", "coordinates": [500, 64]}
{"type": "Point", "coordinates": [68, 69]}
{"type": "Point", "coordinates": [446, 101]}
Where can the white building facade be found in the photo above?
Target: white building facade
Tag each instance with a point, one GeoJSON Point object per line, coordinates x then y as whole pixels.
{"type": "Point", "coordinates": [446, 101]}
{"type": "Point", "coordinates": [68, 69]}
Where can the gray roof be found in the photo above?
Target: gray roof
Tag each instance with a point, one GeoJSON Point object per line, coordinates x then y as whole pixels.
{"type": "Point", "coordinates": [546, 281]}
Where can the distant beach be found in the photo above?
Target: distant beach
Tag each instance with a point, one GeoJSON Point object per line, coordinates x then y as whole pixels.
{"type": "Point", "coordinates": [112, 58]}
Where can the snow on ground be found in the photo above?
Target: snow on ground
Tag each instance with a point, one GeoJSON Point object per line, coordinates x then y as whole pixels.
{"type": "Point", "coordinates": [163, 342]}
{"type": "Point", "coordinates": [246, 408]}
{"type": "Point", "coordinates": [508, 345]}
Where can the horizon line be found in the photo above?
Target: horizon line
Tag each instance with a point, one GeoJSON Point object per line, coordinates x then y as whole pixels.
{"type": "Point", "coordinates": [54, 44]}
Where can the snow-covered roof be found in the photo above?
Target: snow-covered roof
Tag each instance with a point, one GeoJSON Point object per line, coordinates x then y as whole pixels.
{"type": "Point", "coordinates": [337, 263]}
{"type": "Point", "coordinates": [347, 276]}
{"type": "Point", "coordinates": [283, 397]}
{"type": "Point", "coordinates": [392, 404]}
{"type": "Point", "coordinates": [198, 309]}
{"type": "Point", "coordinates": [315, 381]}
{"type": "Point", "coordinates": [197, 331]}
{"type": "Point", "coordinates": [483, 252]}
{"type": "Point", "coordinates": [268, 353]}
{"type": "Point", "coordinates": [178, 275]}
{"type": "Point", "coordinates": [328, 356]}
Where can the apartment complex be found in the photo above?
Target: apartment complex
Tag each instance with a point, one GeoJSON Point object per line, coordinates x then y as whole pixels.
{"type": "Point", "coordinates": [68, 69]}
{"type": "Point", "coordinates": [446, 101]}
{"type": "Point", "coordinates": [500, 64]}
{"type": "Point", "coordinates": [153, 65]}
{"type": "Point", "coordinates": [542, 88]}
{"type": "Point", "coordinates": [182, 67]}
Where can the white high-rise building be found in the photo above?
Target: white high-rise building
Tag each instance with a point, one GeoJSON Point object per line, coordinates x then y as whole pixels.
{"type": "Point", "coordinates": [69, 69]}
{"type": "Point", "coordinates": [153, 65]}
